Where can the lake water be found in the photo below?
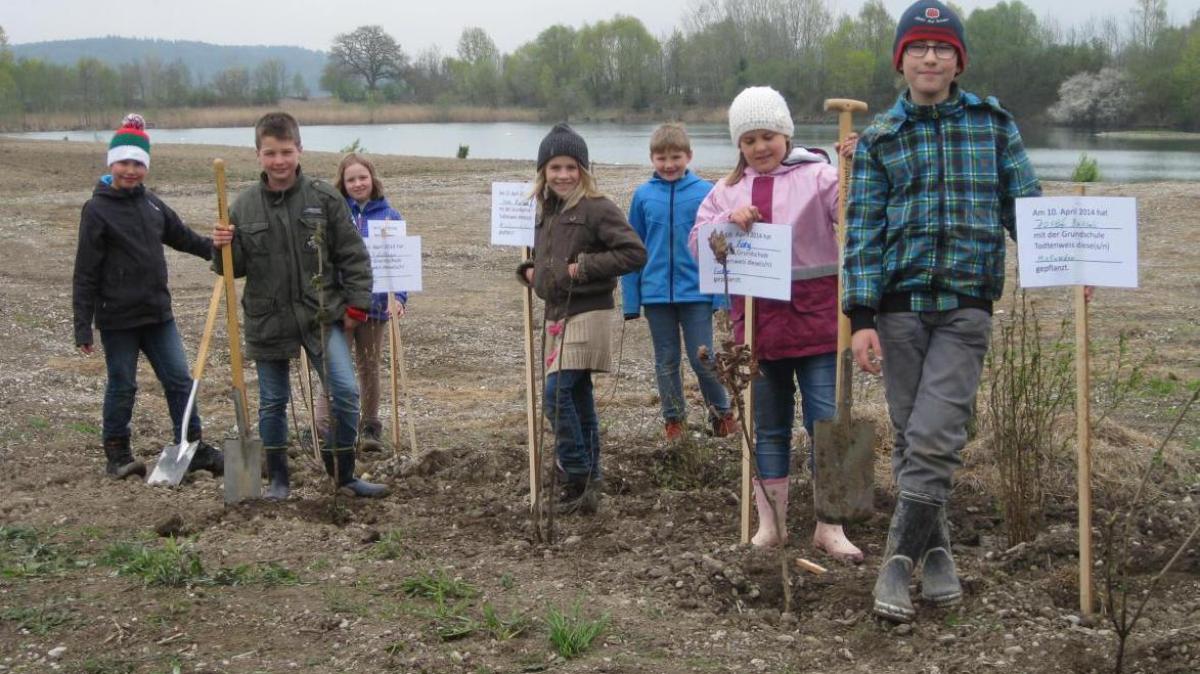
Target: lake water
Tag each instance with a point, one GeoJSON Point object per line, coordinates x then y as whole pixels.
{"type": "Point", "coordinates": [1054, 152]}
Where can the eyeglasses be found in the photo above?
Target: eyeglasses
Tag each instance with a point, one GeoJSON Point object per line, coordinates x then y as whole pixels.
{"type": "Point", "coordinates": [918, 50]}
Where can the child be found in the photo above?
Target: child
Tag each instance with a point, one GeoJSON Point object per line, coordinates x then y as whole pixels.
{"type": "Point", "coordinates": [363, 191]}
{"type": "Point", "coordinates": [308, 283]}
{"type": "Point", "coordinates": [582, 243]}
{"type": "Point", "coordinates": [662, 214]}
{"type": "Point", "coordinates": [796, 340]}
{"type": "Point", "coordinates": [121, 284]}
{"type": "Point", "coordinates": [934, 182]}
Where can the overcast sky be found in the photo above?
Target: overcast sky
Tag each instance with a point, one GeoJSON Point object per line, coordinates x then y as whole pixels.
{"type": "Point", "coordinates": [416, 24]}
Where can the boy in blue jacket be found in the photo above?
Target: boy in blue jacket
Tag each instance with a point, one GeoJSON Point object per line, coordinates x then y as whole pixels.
{"type": "Point", "coordinates": [668, 287]}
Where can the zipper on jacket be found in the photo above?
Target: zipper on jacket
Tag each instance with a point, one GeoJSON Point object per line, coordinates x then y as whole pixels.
{"type": "Point", "coordinates": [941, 219]}
{"type": "Point", "coordinates": [671, 229]}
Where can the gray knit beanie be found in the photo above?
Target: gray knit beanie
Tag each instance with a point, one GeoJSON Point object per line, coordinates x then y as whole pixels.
{"type": "Point", "coordinates": [759, 108]}
{"type": "Point", "coordinates": [562, 141]}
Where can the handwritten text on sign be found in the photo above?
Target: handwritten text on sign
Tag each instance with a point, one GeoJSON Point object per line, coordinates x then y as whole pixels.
{"type": "Point", "coordinates": [760, 261]}
{"type": "Point", "coordinates": [513, 214]}
{"type": "Point", "coordinates": [395, 258]}
{"type": "Point", "coordinates": [1077, 241]}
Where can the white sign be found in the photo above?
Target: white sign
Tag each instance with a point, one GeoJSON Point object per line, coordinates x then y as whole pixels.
{"type": "Point", "coordinates": [395, 227]}
{"type": "Point", "coordinates": [513, 214]}
{"type": "Point", "coordinates": [1077, 241]}
{"type": "Point", "coordinates": [395, 258]}
{"type": "Point", "coordinates": [759, 263]}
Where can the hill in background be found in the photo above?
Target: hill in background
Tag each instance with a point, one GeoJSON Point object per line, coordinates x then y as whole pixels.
{"type": "Point", "coordinates": [203, 60]}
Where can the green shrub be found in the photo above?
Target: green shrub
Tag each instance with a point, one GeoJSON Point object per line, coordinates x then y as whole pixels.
{"type": "Point", "coordinates": [463, 151]}
{"type": "Point", "coordinates": [1087, 170]}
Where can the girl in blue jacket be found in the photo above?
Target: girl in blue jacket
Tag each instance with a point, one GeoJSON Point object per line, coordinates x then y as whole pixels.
{"type": "Point", "coordinates": [359, 183]}
{"type": "Point", "coordinates": [668, 287]}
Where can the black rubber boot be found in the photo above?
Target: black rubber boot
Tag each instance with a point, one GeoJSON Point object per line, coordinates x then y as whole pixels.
{"type": "Point", "coordinates": [345, 474]}
{"type": "Point", "coordinates": [277, 472]}
{"type": "Point", "coordinates": [939, 578]}
{"type": "Point", "coordinates": [207, 458]}
{"type": "Point", "coordinates": [912, 521]}
{"type": "Point", "coordinates": [580, 494]}
{"type": "Point", "coordinates": [121, 463]}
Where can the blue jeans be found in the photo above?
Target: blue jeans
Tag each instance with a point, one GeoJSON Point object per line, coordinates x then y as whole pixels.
{"type": "Point", "coordinates": [775, 406]}
{"type": "Point", "coordinates": [164, 349]}
{"type": "Point", "coordinates": [695, 321]}
{"type": "Point", "coordinates": [570, 407]}
{"type": "Point", "coordinates": [274, 391]}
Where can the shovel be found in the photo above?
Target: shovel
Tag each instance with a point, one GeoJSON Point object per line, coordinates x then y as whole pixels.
{"type": "Point", "coordinates": [843, 449]}
{"type": "Point", "coordinates": [243, 454]}
{"type": "Point", "coordinates": [173, 463]}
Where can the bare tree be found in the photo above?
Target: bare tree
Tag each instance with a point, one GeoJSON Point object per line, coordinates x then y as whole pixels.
{"type": "Point", "coordinates": [370, 53]}
{"type": "Point", "coordinates": [1148, 20]}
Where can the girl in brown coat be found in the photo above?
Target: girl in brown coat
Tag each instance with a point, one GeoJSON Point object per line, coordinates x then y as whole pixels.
{"type": "Point", "coordinates": [582, 245]}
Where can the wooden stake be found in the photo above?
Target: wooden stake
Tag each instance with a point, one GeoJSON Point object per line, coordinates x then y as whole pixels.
{"type": "Point", "coordinates": [392, 344]}
{"type": "Point", "coordinates": [1083, 432]}
{"type": "Point", "coordinates": [306, 390]}
{"type": "Point", "coordinates": [535, 459]}
{"type": "Point", "coordinates": [748, 396]}
{"type": "Point", "coordinates": [398, 361]}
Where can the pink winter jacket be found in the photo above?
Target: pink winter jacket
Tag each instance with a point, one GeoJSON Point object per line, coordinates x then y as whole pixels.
{"type": "Point", "coordinates": [804, 194]}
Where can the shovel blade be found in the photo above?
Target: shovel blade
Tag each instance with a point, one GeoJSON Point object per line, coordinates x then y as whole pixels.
{"type": "Point", "coordinates": [243, 469]}
{"type": "Point", "coordinates": [173, 464]}
{"type": "Point", "coordinates": [844, 471]}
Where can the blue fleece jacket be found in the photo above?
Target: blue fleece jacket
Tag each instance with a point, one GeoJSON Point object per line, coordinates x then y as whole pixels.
{"type": "Point", "coordinates": [376, 209]}
{"type": "Point", "coordinates": [662, 213]}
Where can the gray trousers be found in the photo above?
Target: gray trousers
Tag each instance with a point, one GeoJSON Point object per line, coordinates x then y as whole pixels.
{"type": "Point", "coordinates": [932, 362]}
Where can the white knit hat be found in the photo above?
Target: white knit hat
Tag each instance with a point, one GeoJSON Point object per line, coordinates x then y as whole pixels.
{"type": "Point", "coordinates": [759, 108]}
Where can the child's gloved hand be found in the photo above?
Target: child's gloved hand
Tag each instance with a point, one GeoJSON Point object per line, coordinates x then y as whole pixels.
{"type": "Point", "coordinates": [222, 236]}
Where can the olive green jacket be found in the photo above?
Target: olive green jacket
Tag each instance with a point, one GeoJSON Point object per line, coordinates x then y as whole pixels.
{"type": "Point", "coordinates": [304, 263]}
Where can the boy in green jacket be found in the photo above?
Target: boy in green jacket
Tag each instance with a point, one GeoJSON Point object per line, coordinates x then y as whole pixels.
{"type": "Point", "coordinates": [308, 277]}
{"type": "Point", "coordinates": [932, 195]}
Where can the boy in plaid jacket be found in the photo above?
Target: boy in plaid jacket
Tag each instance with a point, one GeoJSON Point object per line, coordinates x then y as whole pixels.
{"type": "Point", "coordinates": [933, 190]}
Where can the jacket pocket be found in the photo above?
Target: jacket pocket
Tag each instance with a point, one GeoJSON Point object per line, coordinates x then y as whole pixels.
{"type": "Point", "coordinates": [262, 320]}
{"type": "Point", "coordinates": [255, 237]}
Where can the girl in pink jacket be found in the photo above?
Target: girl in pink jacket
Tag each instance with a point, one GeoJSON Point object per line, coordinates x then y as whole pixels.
{"type": "Point", "coordinates": [796, 340]}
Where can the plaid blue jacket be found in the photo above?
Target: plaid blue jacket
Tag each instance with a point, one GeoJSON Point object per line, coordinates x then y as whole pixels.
{"type": "Point", "coordinates": [931, 195]}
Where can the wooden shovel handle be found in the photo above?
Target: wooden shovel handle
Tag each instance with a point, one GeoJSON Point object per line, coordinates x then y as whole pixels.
{"type": "Point", "coordinates": [845, 108]}
{"type": "Point", "coordinates": [210, 322]}
{"type": "Point", "coordinates": [231, 314]}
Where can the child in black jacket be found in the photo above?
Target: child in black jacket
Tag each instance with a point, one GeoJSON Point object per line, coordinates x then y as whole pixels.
{"type": "Point", "coordinates": [120, 284]}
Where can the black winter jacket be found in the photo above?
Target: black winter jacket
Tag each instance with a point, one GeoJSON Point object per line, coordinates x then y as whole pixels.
{"type": "Point", "coordinates": [120, 269]}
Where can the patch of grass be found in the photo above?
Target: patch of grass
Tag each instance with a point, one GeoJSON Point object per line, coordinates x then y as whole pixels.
{"type": "Point", "coordinates": [437, 585]}
{"type": "Point", "coordinates": [503, 628]}
{"type": "Point", "coordinates": [36, 620]}
{"type": "Point", "coordinates": [319, 565]}
{"type": "Point", "coordinates": [571, 633]}
{"type": "Point", "coordinates": [344, 603]}
{"type": "Point", "coordinates": [172, 565]}
{"type": "Point", "coordinates": [450, 621]}
{"type": "Point", "coordinates": [84, 428]}
{"type": "Point", "coordinates": [389, 546]}
{"type": "Point", "coordinates": [175, 564]}
{"type": "Point", "coordinates": [507, 581]}
{"type": "Point", "coordinates": [1162, 387]}
{"type": "Point", "coordinates": [39, 423]}
{"type": "Point", "coordinates": [273, 573]}
{"type": "Point", "coordinates": [23, 554]}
